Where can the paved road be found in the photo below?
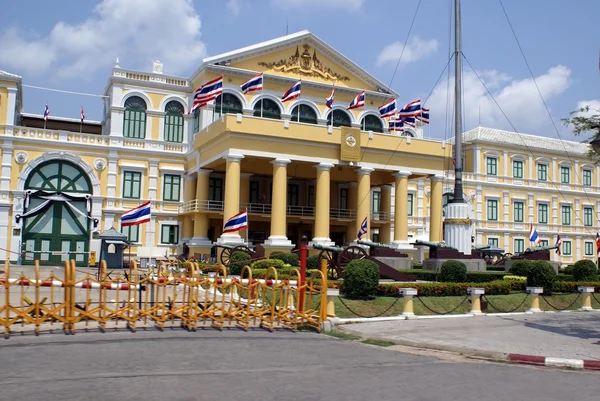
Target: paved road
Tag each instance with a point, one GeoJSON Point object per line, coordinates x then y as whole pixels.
{"type": "Point", "coordinates": [233, 365]}
{"type": "Point", "coordinates": [561, 335]}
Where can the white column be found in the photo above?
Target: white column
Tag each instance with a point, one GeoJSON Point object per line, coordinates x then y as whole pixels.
{"type": "Point", "coordinates": [505, 163]}
{"type": "Point", "coordinates": [555, 210]}
{"type": "Point", "coordinates": [95, 244]}
{"type": "Point", "coordinates": [507, 205]}
{"type": "Point", "coordinates": [111, 186]}
{"type": "Point", "coordinates": [577, 247]}
{"type": "Point", "coordinates": [576, 172]}
{"type": "Point", "coordinates": [5, 205]}
{"type": "Point", "coordinates": [531, 165]}
{"type": "Point", "coordinates": [152, 195]}
{"type": "Point", "coordinates": [531, 205]}
{"type": "Point", "coordinates": [11, 105]}
{"type": "Point", "coordinates": [555, 177]}
{"type": "Point", "coordinates": [479, 200]}
{"type": "Point", "coordinates": [477, 160]}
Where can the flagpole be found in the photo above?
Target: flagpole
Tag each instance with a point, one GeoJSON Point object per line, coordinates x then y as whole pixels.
{"type": "Point", "coordinates": [247, 228]}
{"type": "Point", "coordinates": [262, 90]}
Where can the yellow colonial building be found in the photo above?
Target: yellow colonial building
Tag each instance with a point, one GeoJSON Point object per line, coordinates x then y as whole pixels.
{"type": "Point", "coordinates": [298, 168]}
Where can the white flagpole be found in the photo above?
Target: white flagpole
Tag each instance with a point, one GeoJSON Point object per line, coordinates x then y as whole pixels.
{"type": "Point", "coordinates": [262, 96]}
{"type": "Point", "coordinates": [247, 228]}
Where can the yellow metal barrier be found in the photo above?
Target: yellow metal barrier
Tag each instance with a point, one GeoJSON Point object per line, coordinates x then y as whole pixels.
{"type": "Point", "coordinates": [159, 298]}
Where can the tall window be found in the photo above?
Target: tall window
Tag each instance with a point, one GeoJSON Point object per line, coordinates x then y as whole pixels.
{"type": "Point", "coordinates": [371, 123]}
{"type": "Point", "coordinates": [492, 210]}
{"type": "Point", "coordinates": [589, 248]}
{"type": "Point", "coordinates": [587, 178]}
{"type": "Point", "coordinates": [174, 122]}
{"type": "Point", "coordinates": [293, 194]}
{"type": "Point", "coordinates": [169, 234]}
{"type": "Point", "coordinates": [340, 118]}
{"type": "Point", "coordinates": [518, 169]}
{"type": "Point", "coordinates": [567, 250]}
{"type": "Point", "coordinates": [543, 242]}
{"type": "Point", "coordinates": [270, 109]}
{"type": "Point", "coordinates": [376, 202]}
{"type": "Point", "coordinates": [543, 213]}
{"type": "Point", "coordinates": [519, 245]}
{"type": "Point", "coordinates": [493, 242]}
{"type": "Point", "coordinates": [303, 113]}
{"type": "Point", "coordinates": [231, 105]}
{"type": "Point", "coordinates": [410, 204]}
{"type": "Point", "coordinates": [311, 196]}
{"type": "Point", "coordinates": [134, 118]}
{"type": "Point", "coordinates": [254, 192]}
{"type": "Point", "coordinates": [132, 181]}
{"type": "Point", "coordinates": [518, 212]}
{"type": "Point", "coordinates": [215, 189]}
{"type": "Point", "coordinates": [196, 120]}
{"type": "Point", "coordinates": [171, 187]}
{"type": "Point", "coordinates": [566, 215]}
{"type": "Point", "coordinates": [565, 175]}
{"type": "Point", "coordinates": [542, 172]}
{"type": "Point", "coordinates": [588, 216]}
{"type": "Point", "coordinates": [132, 233]}
{"type": "Point", "coordinates": [492, 166]}
{"type": "Point", "coordinates": [343, 198]}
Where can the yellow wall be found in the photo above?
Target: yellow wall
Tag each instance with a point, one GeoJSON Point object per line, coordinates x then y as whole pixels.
{"type": "Point", "coordinates": [3, 104]}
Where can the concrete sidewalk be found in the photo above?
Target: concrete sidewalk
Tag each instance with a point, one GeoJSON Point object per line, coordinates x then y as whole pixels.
{"type": "Point", "coordinates": [570, 335]}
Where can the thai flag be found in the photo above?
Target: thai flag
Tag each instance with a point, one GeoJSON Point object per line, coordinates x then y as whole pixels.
{"type": "Point", "coordinates": [411, 109]}
{"type": "Point", "coordinates": [363, 228]}
{"type": "Point", "coordinates": [82, 115]}
{"type": "Point", "coordinates": [46, 112]}
{"type": "Point", "coordinates": [207, 92]}
{"type": "Point", "coordinates": [559, 243]}
{"type": "Point", "coordinates": [388, 109]}
{"type": "Point", "coordinates": [533, 235]}
{"type": "Point", "coordinates": [424, 117]}
{"type": "Point", "coordinates": [137, 215]}
{"type": "Point", "coordinates": [329, 100]}
{"type": "Point", "coordinates": [253, 84]}
{"type": "Point", "coordinates": [359, 101]}
{"type": "Point", "coordinates": [410, 121]}
{"type": "Point", "coordinates": [293, 92]}
{"type": "Point", "coordinates": [236, 223]}
{"type": "Point", "coordinates": [396, 125]}
{"type": "Point", "coordinates": [598, 242]}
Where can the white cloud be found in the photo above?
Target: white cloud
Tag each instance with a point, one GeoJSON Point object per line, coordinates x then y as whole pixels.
{"type": "Point", "coordinates": [351, 5]}
{"type": "Point", "coordinates": [136, 31]}
{"type": "Point", "coordinates": [518, 98]}
{"type": "Point", "coordinates": [594, 107]}
{"type": "Point", "coordinates": [416, 49]}
{"type": "Point", "coordinates": [234, 7]}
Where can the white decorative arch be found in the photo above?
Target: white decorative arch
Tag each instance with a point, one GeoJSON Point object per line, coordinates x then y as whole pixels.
{"type": "Point", "coordinates": [256, 98]}
{"type": "Point", "coordinates": [182, 100]}
{"type": "Point", "coordinates": [308, 103]}
{"type": "Point", "coordinates": [63, 156]}
{"type": "Point", "coordinates": [543, 160]}
{"type": "Point", "coordinates": [141, 94]}
{"type": "Point", "coordinates": [587, 166]}
{"type": "Point", "coordinates": [492, 154]}
{"type": "Point", "coordinates": [565, 163]}
{"type": "Point", "coordinates": [342, 108]}
{"type": "Point", "coordinates": [239, 95]}
{"type": "Point", "coordinates": [519, 157]}
{"type": "Point", "coordinates": [375, 113]}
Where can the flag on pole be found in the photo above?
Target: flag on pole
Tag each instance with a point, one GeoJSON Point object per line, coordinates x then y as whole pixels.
{"type": "Point", "coordinates": [396, 125]}
{"type": "Point", "coordinates": [329, 100]}
{"type": "Point", "coordinates": [411, 109]}
{"type": "Point", "coordinates": [363, 228]}
{"type": "Point", "coordinates": [358, 101]}
{"type": "Point", "coordinates": [236, 223]}
{"type": "Point", "coordinates": [388, 109]}
{"type": "Point", "coordinates": [293, 92]}
{"type": "Point", "coordinates": [558, 243]}
{"type": "Point", "coordinates": [82, 115]}
{"type": "Point", "coordinates": [424, 117]}
{"type": "Point", "coordinates": [46, 112]}
{"type": "Point", "coordinates": [206, 93]}
{"type": "Point", "coordinates": [533, 235]}
{"type": "Point", "coordinates": [137, 215]}
{"type": "Point", "coordinates": [598, 242]}
{"type": "Point", "coordinates": [253, 84]}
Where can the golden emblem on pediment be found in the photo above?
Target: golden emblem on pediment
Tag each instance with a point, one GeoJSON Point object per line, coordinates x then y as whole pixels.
{"type": "Point", "coordinates": [305, 64]}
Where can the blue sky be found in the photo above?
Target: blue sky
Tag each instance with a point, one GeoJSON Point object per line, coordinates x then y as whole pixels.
{"type": "Point", "coordinates": [73, 45]}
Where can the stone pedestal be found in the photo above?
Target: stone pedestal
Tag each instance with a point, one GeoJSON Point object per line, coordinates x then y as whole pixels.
{"type": "Point", "coordinates": [396, 263]}
{"type": "Point", "coordinates": [473, 265]}
{"type": "Point", "coordinates": [458, 227]}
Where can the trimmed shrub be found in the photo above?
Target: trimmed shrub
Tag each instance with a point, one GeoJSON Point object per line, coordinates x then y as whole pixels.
{"type": "Point", "coordinates": [453, 271]}
{"type": "Point", "coordinates": [266, 263]}
{"type": "Point", "coordinates": [566, 270]}
{"type": "Point", "coordinates": [499, 287]}
{"type": "Point", "coordinates": [564, 277]}
{"type": "Point", "coordinates": [570, 287]}
{"type": "Point", "coordinates": [520, 267]}
{"type": "Point", "coordinates": [472, 277]}
{"type": "Point", "coordinates": [361, 277]}
{"type": "Point", "coordinates": [237, 261]}
{"type": "Point", "coordinates": [497, 268]}
{"type": "Point", "coordinates": [585, 270]}
{"type": "Point", "coordinates": [287, 258]}
{"type": "Point", "coordinates": [541, 274]}
{"type": "Point", "coordinates": [312, 262]}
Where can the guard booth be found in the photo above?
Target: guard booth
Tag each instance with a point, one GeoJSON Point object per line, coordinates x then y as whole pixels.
{"type": "Point", "coordinates": [112, 248]}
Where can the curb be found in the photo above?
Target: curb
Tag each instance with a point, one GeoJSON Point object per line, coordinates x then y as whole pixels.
{"type": "Point", "coordinates": [584, 364]}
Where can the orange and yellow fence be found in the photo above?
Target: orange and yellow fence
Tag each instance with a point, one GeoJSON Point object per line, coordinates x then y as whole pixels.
{"type": "Point", "coordinates": [137, 298]}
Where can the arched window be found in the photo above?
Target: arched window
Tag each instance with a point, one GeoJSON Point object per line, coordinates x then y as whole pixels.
{"type": "Point", "coordinates": [59, 176]}
{"type": "Point", "coordinates": [304, 114]}
{"type": "Point", "coordinates": [371, 123]}
{"type": "Point", "coordinates": [134, 120]}
{"type": "Point", "coordinates": [340, 118]}
{"type": "Point", "coordinates": [270, 109]}
{"type": "Point", "coordinates": [174, 122]}
{"type": "Point", "coordinates": [231, 105]}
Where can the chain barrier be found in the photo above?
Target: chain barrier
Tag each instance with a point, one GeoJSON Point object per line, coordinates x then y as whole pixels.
{"type": "Point", "coordinates": [359, 315]}
{"type": "Point", "coordinates": [443, 313]}
{"type": "Point", "coordinates": [594, 295]}
{"type": "Point", "coordinates": [505, 311]}
{"type": "Point", "coordinates": [562, 309]}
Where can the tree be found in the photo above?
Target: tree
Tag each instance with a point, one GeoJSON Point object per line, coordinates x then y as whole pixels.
{"type": "Point", "coordinates": [584, 120]}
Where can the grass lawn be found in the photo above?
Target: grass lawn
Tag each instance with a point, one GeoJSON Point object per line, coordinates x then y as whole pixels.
{"type": "Point", "coordinates": [388, 306]}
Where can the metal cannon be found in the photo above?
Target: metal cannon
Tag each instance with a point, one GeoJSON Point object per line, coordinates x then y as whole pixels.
{"type": "Point", "coordinates": [381, 249]}
{"type": "Point", "coordinates": [535, 253]}
{"type": "Point", "coordinates": [441, 250]}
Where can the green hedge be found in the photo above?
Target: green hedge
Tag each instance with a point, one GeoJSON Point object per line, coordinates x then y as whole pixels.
{"type": "Point", "coordinates": [499, 287]}
{"type": "Point", "coordinates": [492, 268]}
{"type": "Point", "coordinates": [565, 286]}
{"type": "Point", "coordinates": [266, 263]}
{"type": "Point", "coordinates": [453, 271]}
{"type": "Point", "coordinates": [472, 277]}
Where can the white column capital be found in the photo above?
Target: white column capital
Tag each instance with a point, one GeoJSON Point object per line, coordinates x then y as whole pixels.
{"type": "Point", "coordinates": [365, 170]}
{"type": "Point", "coordinates": [280, 162]}
{"type": "Point", "coordinates": [324, 166]}
{"type": "Point", "coordinates": [234, 158]}
{"type": "Point", "coordinates": [436, 178]}
{"type": "Point", "coordinates": [402, 174]}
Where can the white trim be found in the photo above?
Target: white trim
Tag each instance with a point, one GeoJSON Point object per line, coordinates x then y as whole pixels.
{"type": "Point", "coordinates": [342, 108]}
{"type": "Point", "coordinates": [176, 170]}
{"type": "Point", "coordinates": [140, 93]}
{"type": "Point", "coordinates": [309, 103]}
{"type": "Point", "coordinates": [180, 99]}
{"type": "Point", "coordinates": [133, 166]}
{"type": "Point", "coordinates": [265, 95]}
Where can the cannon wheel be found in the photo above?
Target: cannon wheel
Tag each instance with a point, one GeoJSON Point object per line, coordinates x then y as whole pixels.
{"type": "Point", "coordinates": [332, 272]}
{"type": "Point", "coordinates": [348, 255]}
{"type": "Point", "coordinates": [242, 248]}
{"type": "Point", "coordinates": [225, 254]}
